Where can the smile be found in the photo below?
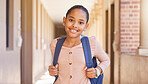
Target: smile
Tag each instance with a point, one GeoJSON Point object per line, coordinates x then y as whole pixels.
{"type": "Point", "coordinates": [73, 30]}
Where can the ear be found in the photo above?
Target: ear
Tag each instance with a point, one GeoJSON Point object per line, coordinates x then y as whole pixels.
{"type": "Point", "coordinates": [64, 21]}
{"type": "Point", "coordinates": [86, 26]}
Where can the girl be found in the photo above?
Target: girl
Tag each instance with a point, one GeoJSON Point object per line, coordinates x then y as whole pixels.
{"type": "Point", "coordinates": [71, 67]}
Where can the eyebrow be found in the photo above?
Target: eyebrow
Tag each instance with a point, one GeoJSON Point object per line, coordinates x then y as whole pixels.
{"type": "Point", "coordinates": [80, 19]}
{"type": "Point", "coordinates": [71, 16]}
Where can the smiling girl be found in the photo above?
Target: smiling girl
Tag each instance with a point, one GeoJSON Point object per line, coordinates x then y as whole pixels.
{"type": "Point", "coordinates": [71, 67]}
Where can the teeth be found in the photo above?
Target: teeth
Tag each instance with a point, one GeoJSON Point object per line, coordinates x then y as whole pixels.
{"type": "Point", "coordinates": [74, 31]}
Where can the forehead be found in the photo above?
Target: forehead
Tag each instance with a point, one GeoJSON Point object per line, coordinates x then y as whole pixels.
{"type": "Point", "coordinates": [78, 13]}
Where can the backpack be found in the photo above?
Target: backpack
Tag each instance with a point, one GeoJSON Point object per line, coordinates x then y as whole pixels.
{"type": "Point", "coordinates": [88, 57]}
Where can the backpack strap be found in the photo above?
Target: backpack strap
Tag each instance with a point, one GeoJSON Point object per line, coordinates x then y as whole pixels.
{"type": "Point", "coordinates": [87, 51]}
{"type": "Point", "coordinates": [58, 49]}
{"type": "Point", "coordinates": [90, 62]}
{"type": "Point", "coordinates": [57, 52]}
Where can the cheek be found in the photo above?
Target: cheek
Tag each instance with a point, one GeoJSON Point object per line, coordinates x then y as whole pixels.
{"type": "Point", "coordinates": [67, 23]}
{"type": "Point", "coordinates": [66, 29]}
{"type": "Point", "coordinates": [82, 27]}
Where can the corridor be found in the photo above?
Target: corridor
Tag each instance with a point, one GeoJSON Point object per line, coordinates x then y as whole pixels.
{"type": "Point", "coordinates": [27, 28]}
{"type": "Point", "coordinates": [45, 78]}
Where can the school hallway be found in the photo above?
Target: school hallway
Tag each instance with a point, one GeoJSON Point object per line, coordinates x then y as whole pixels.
{"type": "Point", "coordinates": [27, 28]}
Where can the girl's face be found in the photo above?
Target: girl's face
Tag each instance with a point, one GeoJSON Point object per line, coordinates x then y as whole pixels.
{"type": "Point", "coordinates": [75, 23]}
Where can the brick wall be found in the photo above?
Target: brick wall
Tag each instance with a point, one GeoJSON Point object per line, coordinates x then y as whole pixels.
{"type": "Point", "coordinates": [129, 26]}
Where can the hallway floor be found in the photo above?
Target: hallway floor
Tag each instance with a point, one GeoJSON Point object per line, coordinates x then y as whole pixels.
{"type": "Point", "coordinates": [45, 79]}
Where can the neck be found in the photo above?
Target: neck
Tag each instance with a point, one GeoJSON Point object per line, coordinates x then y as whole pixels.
{"type": "Point", "coordinates": [71, 42]}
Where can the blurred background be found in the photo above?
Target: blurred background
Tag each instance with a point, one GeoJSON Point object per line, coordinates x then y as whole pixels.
{"type": "Point", "coordinates": [28, 26]}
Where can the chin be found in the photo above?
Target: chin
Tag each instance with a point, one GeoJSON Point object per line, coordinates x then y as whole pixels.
{"type": "Point", "coordinates": [73, 36]}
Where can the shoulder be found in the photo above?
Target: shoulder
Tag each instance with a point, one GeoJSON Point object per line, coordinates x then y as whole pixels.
{"type": "Point", "coordinates": [94, 43]}
{"type": "Point", "coordinates": [54, 42]}
{"type": "Point", "coordinates": [92, 40]}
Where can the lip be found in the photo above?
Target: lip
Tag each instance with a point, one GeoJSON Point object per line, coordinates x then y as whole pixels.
{"type": "Point", "coordinates": [73, 30]}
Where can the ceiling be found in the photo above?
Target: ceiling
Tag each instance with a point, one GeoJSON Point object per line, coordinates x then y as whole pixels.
{"type": "Point", "coordinates": [58, 8]}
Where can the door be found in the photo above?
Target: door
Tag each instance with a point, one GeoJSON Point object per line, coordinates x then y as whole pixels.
{"type": "Point", "coordinates": [10, 41]}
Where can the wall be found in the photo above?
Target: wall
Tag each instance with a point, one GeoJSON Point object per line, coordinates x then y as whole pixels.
{"type": "Point", "coordinates": [133, 69]}
{"type": "Point", "coordinates": [43, 33]}
{"type": "Point", "coordinates": [129, 26]}
{"type": "Point", "coordinates": [37, 33]}
{"type": "Point", "coordinates": [10, 56]}
{"type": "Point", "coordinates": [112, 41]}
{"type": "Point", "coordinates": [126, 69]}
{"type": "Point", "coordinates": [106, 29]}
{"type": "Point", "coordinates": [97, 28]}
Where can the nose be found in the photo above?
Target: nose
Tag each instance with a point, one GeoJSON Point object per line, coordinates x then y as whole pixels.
{"type": "Point", "coordinates": [75, 25]}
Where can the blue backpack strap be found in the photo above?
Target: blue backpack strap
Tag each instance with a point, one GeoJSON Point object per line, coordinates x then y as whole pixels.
{"type": "Point", "coordinates": [87, 51]}
{"type": "Point", "coordinates": [90, 62]}
{"type": "Point", "coordinates": [58, 49]}
{"type": "Point", "coordinates": [57, 52]}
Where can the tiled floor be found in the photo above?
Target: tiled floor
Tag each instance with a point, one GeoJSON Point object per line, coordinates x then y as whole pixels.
{"type": "Point", "coordinates": [46, 79]}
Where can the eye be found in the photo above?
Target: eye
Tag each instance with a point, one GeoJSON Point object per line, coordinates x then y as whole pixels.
{"type": "Point", "coordinates": [71, 20]}
{"type": "Point", "coordinates": [81, 22]}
